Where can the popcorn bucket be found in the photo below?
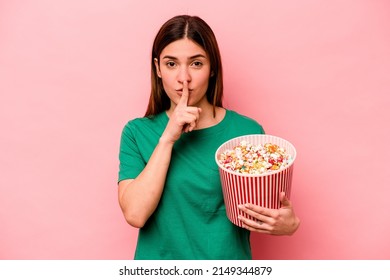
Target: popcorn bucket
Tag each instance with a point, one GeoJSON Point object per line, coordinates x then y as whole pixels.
{"type": "Point", "coordinates": [259, 189]}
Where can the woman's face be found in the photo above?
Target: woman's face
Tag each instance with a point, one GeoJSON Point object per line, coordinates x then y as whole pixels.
{"type": "Point", "coordinates": [184, 60]}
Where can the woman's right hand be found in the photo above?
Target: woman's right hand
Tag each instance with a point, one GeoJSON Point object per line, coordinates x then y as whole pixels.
{"type": "Point", "coordinates": [184, 118]}
{"type": "Point", "coordinates": [139, 198]}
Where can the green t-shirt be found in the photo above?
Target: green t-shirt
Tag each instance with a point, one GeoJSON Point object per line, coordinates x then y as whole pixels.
{"type": "Point", "coordinates": [190, 221]}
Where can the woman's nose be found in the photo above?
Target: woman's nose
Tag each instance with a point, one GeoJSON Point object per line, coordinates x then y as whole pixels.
{"type": "Point", "coordinates": [184, 75]}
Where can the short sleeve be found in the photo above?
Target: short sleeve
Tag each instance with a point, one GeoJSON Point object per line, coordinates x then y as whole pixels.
{"type": "Point", "coordinates": [262, 131]}
{"type": "Point", "coordinates": [131, 162]}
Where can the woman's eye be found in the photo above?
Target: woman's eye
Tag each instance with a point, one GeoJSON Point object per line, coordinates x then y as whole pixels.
{"type": "Point", "coordinates": [171, 64]}
{"type": "Point", "coordinates": [197, 63]}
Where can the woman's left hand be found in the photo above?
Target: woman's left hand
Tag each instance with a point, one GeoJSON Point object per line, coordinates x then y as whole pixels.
{"type": "Point", "coordinates": [282, 221]}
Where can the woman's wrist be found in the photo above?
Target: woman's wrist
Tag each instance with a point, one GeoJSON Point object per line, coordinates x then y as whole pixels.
{"type": "Point", "coordinates": [166, 141]}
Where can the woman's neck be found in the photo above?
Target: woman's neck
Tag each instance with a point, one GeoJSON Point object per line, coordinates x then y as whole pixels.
{"type": "Point", "coordinates": [208, 119]}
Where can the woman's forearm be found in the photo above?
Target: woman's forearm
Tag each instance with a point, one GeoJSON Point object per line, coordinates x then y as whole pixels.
{"type": "Point", "coordinates": [139, 198]}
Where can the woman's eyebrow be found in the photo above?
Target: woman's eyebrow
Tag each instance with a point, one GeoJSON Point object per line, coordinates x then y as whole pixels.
{"type": "Point", "coordinates": [191, 57]}
{"type": "Point", "coordinates": [169, 57]}
{"type": "Point", "coordinates": [197, 56]}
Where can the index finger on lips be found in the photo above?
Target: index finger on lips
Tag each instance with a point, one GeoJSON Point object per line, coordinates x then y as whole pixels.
{"type": "Point", "coordinates": [184, 95]}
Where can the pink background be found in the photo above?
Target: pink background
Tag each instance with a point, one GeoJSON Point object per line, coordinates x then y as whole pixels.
{"type": "Point", "coordinates": [72, 73]}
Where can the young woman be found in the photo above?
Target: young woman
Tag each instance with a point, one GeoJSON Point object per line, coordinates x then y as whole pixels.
{"type": "Point", "coordinates": [169, 185]}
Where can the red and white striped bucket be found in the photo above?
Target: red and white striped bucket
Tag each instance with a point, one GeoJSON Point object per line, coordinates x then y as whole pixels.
{"type": "Point", "coordinates": [262, 189]}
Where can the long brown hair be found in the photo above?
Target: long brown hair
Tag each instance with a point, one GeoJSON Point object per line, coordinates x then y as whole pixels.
{"type": "Point", "coordinates": [197, 30]}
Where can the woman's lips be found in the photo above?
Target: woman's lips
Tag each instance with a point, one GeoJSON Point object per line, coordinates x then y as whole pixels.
{"type": "Point", "coordinates": [180, 91]}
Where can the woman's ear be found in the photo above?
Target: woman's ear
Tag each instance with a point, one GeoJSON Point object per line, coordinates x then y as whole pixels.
{"type": "Point", "coordinates": [157, 67]}
{"type": "Point", "coordinates": [212, 74]}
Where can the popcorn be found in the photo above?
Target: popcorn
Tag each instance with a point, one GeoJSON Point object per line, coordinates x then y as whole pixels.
{"type": "Point", "coordinates": [255, 159]}
{"type": "Point", "coordinates": [254, 171]}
